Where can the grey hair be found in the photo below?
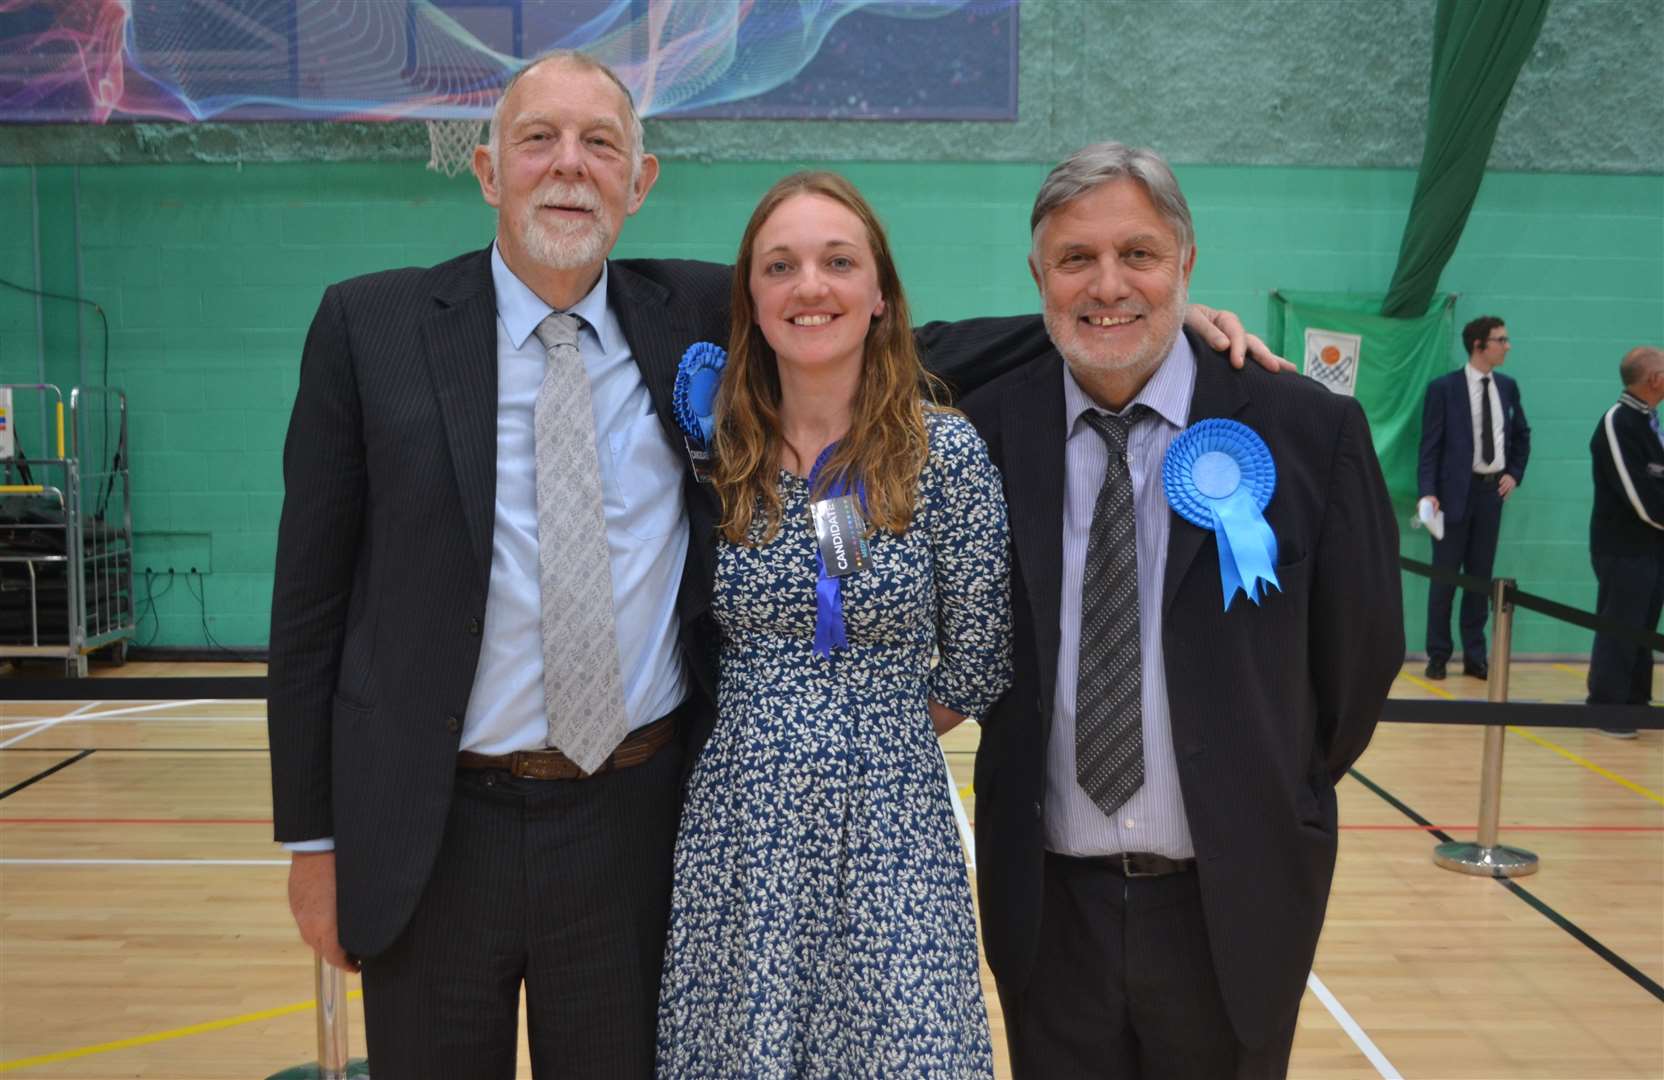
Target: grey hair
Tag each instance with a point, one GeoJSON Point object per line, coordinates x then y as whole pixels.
{"type": "Point", "coordinates": [584, 62]}
{"type": "Point", "coordinates": [1640, 362]}
{"type": "Point", "coordinates": [1093, 166]}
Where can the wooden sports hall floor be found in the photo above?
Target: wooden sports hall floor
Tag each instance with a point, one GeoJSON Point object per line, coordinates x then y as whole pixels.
{"type": "Point", "coordinates": [144, 930]}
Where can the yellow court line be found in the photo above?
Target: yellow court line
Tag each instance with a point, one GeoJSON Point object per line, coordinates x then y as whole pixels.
{"type": "Point", "coordinates": [1568, 669]}
{"type": "Point", "coordinates": [1646, 793]}
{"type": "Point", "coordinates": [162, 1036]}
{"type": "Point", "coordinates": [1427, 686]}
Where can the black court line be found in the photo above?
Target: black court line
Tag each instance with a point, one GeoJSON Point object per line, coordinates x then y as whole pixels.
{"type": "Point", "coordinates": [43, 774]}
{"type": "Point", "coordinates": [140, 749]}
{"type": "Point", "coordinates": [1577, 932]}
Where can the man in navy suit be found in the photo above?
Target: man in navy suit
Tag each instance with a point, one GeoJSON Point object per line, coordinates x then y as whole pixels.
{"type": "Point", "coordinates": [1474, 445]}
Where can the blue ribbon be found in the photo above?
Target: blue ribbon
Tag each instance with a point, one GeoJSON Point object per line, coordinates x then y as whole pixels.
{"type": "Point", "coordinates": [829, 593]}
{"type": "Point", "coordinates": [693, 398]}
{"type": "Point", "coordinates": [1219, 475]}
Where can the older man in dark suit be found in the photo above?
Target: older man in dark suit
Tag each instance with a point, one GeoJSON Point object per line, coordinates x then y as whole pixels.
{"type": "Point", "coordinates": [491, 655]}
{"type": "Point", "coordinates": [1155, 809]}
{"type": "Point", "coordinates": [1474, 446]}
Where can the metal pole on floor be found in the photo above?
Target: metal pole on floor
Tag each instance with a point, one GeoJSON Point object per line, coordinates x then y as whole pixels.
{"type": "Point", "coordinates": [331, 984]}
{"type": "Point", "coordinates": [1488, 858]}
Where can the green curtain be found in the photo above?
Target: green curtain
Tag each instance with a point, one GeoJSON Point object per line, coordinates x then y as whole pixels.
{"type": "Point", "coordinates": [1479, 47]}
{"type": "Point", "coordinates": [1396, 360]}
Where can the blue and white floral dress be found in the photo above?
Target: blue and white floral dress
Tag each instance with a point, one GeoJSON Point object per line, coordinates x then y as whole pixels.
{"type": "Point", "coordinates": [821, 921]}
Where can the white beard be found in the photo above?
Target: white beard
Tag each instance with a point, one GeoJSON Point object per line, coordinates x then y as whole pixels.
{"type": "Point", "coordinates": [1165, 324]}
{"type": "Point", "coordinates": [566, 245]}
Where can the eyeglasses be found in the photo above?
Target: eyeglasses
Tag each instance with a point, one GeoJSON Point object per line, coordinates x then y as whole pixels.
{"type": "Point", "coordinates": [1503, 340]}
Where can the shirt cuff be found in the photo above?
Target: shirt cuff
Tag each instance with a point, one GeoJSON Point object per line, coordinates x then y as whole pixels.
{"type": "Point", "coordinates": [326, 843]}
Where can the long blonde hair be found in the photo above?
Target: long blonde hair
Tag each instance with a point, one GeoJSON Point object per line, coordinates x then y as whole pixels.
{"type": "Point", "coordinates": [886, 446]}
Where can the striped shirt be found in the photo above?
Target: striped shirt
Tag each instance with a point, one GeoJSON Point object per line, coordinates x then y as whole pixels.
{"type": "Point", "coordinates": [1153, 819]}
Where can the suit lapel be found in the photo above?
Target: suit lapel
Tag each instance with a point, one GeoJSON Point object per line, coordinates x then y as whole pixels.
{"type": "Point", "coordinates": [1032, 434]}
{"type": "Point", "coordinates": [459, 340]}
{"type": "Point", "coordinates": [1219, 393]}
{"type": "Point", "coordinates": [658, 331]}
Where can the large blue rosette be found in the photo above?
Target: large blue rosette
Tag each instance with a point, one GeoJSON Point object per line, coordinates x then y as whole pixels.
{"type": "Point", "coordinates": [1219, 475]}
{"type": "Point", "coordinates": [694, 396]}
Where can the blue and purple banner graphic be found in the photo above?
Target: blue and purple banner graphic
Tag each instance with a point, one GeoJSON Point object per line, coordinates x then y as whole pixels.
{"type": "Point", "coordinates": [94, 61]}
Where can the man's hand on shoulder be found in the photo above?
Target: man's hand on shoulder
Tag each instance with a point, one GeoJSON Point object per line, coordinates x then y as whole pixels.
{"type": "Point", "coordinates": [312, 902]}
{"type": "Point", "coordinates": [1224, 331]}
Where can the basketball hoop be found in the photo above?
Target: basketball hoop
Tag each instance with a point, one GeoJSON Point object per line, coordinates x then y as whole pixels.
{"type": "Point", "coordinates": [451, 145]}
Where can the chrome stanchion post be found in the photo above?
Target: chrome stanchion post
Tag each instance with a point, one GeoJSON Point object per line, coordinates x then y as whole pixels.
{"type": "Point", "coordinates": [332, 1019]}
{"type": "Point", "coordinates": [1487, 857]}
{"type": "Point", "coordinates": [331, 986]}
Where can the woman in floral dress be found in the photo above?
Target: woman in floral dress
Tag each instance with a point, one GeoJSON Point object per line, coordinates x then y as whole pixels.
{"type": "Point", "coordinates": [821, 921]}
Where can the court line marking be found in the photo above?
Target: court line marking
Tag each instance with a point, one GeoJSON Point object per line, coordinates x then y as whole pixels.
{"type": "Point", "coordinates": [1644, 792]}
{"type": "Point", "coordinates": [44, 773]}
{"type": "Point", "coordinates": [195, 719]}
{"type": "Point", "coordinates": [1427, 686]}
{"type": "Point", "coordinates": [50, 724]}
{"type": "Point", "coordinates": [165, 821]}
{"type": "Point", "coordinates": [144, 862]}
{"type": "Point", "coordinates": [1572, 671]}
{"type": "Point", "coordinates": [1359, 1037]}
{"type": "Point", "coordinates": [163, 1036]}
{"type": "Point", "coordinates": [1578, 934]}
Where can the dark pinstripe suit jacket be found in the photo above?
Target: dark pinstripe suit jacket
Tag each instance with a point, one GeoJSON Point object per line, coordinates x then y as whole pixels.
{"type": "Point", "coordinates": [1269, 705]}
{"type": "Point", "coordinates": [384, 555]}
{"type": "Point", "coordinates": [384, 550]}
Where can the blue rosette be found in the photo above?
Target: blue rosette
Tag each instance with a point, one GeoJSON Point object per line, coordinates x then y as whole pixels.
{"type": "Point", "coordinates": [1219, 475]}
{"type": "Point", "coordinates": [694, 396]}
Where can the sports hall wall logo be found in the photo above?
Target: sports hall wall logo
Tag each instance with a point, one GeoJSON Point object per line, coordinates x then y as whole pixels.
{"type": "Point", "coordinates": [1332, 359]}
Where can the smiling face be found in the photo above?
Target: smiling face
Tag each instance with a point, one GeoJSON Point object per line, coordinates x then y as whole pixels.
{"type": "Point", "coordinates": [814, 283]}
{"type": "Point", "coordinates": [1114, 278]}
{"type": "Point", "coordinates": [562, 180]}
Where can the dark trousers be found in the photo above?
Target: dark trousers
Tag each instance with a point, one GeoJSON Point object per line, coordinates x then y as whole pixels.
{"type": "Point", "coordinates": [1631, 592]}
{"type": "Point", "coordinates": [1124, 987]}
{"type": "Point", "coordinates": [563, 885]}
{"type": "Point", "coordinates": [1468, 547]}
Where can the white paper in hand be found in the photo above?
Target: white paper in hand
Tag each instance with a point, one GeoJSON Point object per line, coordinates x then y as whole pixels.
{"type": "Point", "coordinates": [1432, 519]}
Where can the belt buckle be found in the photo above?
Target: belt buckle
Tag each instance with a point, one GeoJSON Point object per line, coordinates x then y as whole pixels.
{"type": "Point", "coordinates": [1129, 866]}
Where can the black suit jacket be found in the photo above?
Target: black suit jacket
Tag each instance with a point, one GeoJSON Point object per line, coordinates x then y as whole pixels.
{"type": "Point", "coordinates": [1270, 704]}
{"type": "Point", "coordinates": [384, 556]}
{"type": "Point", "coordinates": [1445, 467]}
{"type": "Point", "coordinates": [384, 548]}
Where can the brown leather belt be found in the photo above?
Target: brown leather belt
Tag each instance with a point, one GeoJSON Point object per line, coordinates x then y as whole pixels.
{"type": "Point", "coordinates": [551, 764]}
{"type": "Point", "coordinates": [1135, 864]}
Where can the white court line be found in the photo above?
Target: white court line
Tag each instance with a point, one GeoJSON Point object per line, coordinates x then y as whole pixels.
{"type": "Point", "coordinates": [193, 719]}
{"type": "Point", "coordinates": [959, 817]}
{"type": "Point", "coordinates": [38, 728]}
{"type": "Point", "coordinates": [82, 714]}
{"type": "Point", "coordinates": [144, 862]}
{"type": "Point", "coordinates": [1351, 1027]}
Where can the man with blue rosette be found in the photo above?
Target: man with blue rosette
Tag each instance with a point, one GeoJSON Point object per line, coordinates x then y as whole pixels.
{"type": "Point", "coordinates": [1206, 602]}
{"type": "Point", "coordinates": [492, 661]}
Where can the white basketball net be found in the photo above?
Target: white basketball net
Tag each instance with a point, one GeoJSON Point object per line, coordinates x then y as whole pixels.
{"type": "Point", "coordinates": [451, 145]}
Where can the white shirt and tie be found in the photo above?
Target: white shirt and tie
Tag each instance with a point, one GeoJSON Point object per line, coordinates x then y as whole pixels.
{"type": "Point", "coordinates": [1480, 385]}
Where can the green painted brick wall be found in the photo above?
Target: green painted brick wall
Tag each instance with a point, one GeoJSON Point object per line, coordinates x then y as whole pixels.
{"type": "Point", "coordinates": [210, 275]}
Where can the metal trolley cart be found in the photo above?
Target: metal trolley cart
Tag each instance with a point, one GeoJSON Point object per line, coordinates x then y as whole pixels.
{"type": "Point", "coordinates": [66, 524]}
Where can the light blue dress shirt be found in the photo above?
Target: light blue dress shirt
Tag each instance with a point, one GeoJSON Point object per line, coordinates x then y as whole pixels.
{"type": "Point", "coordinates": [1153, 819]}
{"type": "Point", "coordinates": [647, 526]}
{"type": "Point", "coordinates": [647, 530]}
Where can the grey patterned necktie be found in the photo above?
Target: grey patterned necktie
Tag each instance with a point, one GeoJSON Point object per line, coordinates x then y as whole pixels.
{"type": "Point", "coordinates": [1109, 725]}
{"type": "Point", "coordinates": [583, 692]}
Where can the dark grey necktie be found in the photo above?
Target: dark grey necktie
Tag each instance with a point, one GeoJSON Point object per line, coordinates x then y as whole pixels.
{"type": "Point", "coordinates": [583, 691]}
{"type": "Point", "coordinates": [1487, 432]}
{"type": "Point", "coordinates": [1109, 720]}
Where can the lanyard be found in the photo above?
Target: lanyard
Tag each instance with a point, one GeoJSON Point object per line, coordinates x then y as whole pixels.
{"type": "Point", "coordinates": [829, 595]}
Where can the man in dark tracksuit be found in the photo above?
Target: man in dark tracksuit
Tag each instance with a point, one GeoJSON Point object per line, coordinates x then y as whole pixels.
{"type": "Point", "coordinates": [1626, 532]}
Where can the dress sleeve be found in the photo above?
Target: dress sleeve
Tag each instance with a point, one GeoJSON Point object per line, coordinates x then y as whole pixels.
{"type": "Point", "coordinates": [972, 569]}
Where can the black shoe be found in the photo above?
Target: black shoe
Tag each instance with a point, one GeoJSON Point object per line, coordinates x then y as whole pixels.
{"type": "Point", "coordinates": [1617, 733]}
{"type": "Point", "coordinates": [1477, 668]}
{"type": "Point", "coordinates": [1435, 669]}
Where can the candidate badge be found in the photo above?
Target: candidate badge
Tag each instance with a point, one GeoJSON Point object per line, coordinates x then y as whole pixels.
{"type": "Point", "coordinates": [1219, 475]}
